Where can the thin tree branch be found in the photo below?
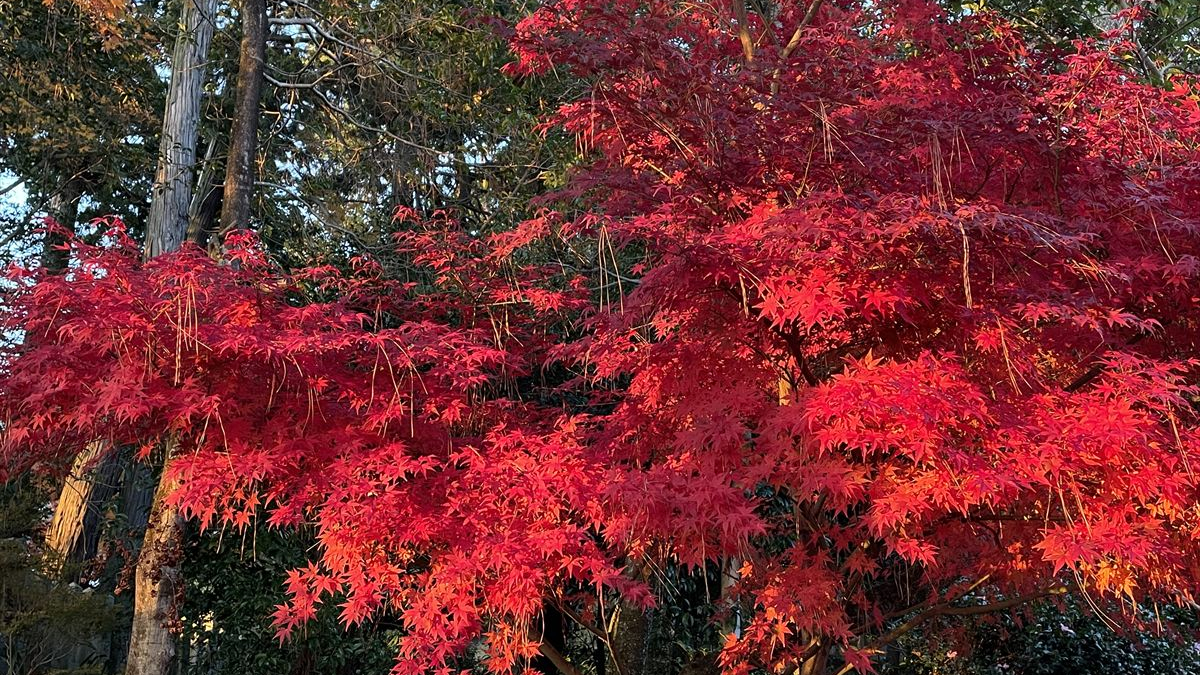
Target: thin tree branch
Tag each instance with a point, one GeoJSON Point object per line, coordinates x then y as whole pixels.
{"type": "Point", "coordinates": [1177, 31]}
{"type": "Point", "coordinates": [315, 29]}
{"type": "Point", "coordinates": [579, 620]}
{"type": "Point", "coordinates": [560, 662]}
{"type": "Point", "coordinates": [794, 42]}
{"type": "Point", "coordinates": [799, 32]}
{"type": "Point", "coordinates": [366, 127]}
{"type": "Point", "coordinates": [12, 187]}
{"type": "Point", "coordinates": [946, 608]}
{"type": "Point", "coordinates": [1096, 370]}
{"type": "Point", "coordinates": [739, 13]}
{"type": "Point", "coordinates": [293, 85]}
{"type": "Point", "coordinates": [322, 219]}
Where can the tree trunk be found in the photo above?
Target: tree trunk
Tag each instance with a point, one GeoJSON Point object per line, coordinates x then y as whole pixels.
{"type": "Point", "coordinates": [731, 574]}
{"type": "Point", "coordinates": [243, 136]}
{"type": "Point", "coordinates": [74, 531]}
{"type": "Point", "coordinates": [156, 578]}
{"type": "Point", "coordinates": [630, 640]}
{"type": "Point", "coordinates": [166, 225]}
{"type": "Point", "coordinates": [137, 485]}
{"type": "Point", "coordinates": [64, 209]}
{"type": "Point", "coordinates": [156, 583]}
{"type": "Point", "coordinates": [206, 202]}
{"type": "Point", "coordinates": [137, 492]}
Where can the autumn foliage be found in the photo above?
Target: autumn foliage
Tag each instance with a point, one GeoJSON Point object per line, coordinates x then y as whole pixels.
{"type": "Point", "coordinates": [884, 301]}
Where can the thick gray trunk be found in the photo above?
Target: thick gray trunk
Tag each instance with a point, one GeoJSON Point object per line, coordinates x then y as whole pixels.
{"type": "Point", "coordinates": [166, 225]}
{"type": "Point", "coordinates": [157, 579]}
{"type": "Point", "coordinates": [74, 531]}
{"type": "Point", "coordinates": [243, 136]}
{"type": "Point", "coordinates": [156, 585]}
{"type": "Point", "coordinates": [137, 493]}
{"type": "Point", "coordinates": [64, 209]}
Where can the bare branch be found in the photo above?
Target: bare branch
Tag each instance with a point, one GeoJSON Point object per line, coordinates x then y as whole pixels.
{"type": "Point", "coordinates": [739, 12]}
{"type": "Point", "coordinates": [794, 42]}
{"type": "Point", "coordinates": [946, 608]}
{"type": "Point", "coordinates": [795, 39]}
{"type": "Point", "coordinates": [315, 29]}
{"type": "Point", "coordinates": [560, 662]}
{"type": "Point", "coordinates": [366, 127]}
{"type": "Point", "coordinates": [292, 85]}
{"type": "Point", "coordinates": [12, 187]}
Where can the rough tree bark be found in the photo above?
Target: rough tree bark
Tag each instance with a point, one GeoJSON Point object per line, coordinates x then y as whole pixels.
{"type": "Point", "coordinates": [156, 584]}
{"type": "Point", "coordinates": [74, 531]}
{"type": "Point", "coordinates": [156, 578]}
{"type": "Point", "coordinates": [64, 209]}
{"type": "Point", "coordinates": [166, 224]}
{"type": "Point", "coordinates": [137, 492]}
{"type": "Point", "coordinates": [243, 135]}
{"type": "Point", "coordinates": [206, 200]}
{"type": "Point", "coordinates": [629, 635]}
{"type": "Point", "coordinates": [630, 641]}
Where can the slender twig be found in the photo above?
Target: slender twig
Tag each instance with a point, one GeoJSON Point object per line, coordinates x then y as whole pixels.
{"type": "Point", "coordinates": [366, 127]}
{"type": "Point", "coordinates": [12, 187]}
{"type": "Point", "coordinates": [579, 620]}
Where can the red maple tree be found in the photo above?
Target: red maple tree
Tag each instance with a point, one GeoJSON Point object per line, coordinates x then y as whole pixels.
{"type": "Point", "coordinates": [887, 301]}
{"type": "Point", "coordinates": [929, 290]}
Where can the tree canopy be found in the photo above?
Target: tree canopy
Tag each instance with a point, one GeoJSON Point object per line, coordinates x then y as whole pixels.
{"type": "Point", "coordinates": [852, 320]}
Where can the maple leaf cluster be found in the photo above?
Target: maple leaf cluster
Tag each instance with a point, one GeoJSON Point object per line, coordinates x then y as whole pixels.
{"type": "Point", "coordinates": [341, 402]}
{"type": "Point", "coordinates": [887, 300]}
